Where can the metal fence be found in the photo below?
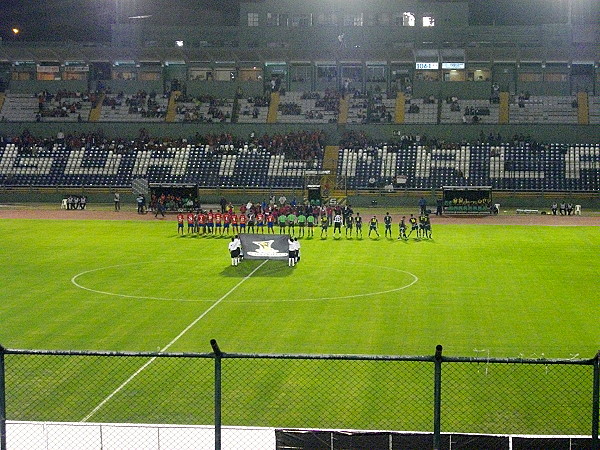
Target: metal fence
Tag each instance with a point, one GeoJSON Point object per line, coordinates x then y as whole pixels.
{"type": "Point", "coordinates": [123, 400]}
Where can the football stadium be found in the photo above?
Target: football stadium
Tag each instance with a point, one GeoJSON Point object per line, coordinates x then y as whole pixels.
{"type": "Point", "coordinates": [267, 224]}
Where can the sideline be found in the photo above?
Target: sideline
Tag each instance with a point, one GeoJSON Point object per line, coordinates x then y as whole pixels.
{"type": "Point", "coordinates": [151, 360]}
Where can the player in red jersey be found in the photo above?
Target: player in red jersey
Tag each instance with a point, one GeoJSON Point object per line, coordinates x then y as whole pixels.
{"type": "Point", "coordinates": [202, 222]}
{"type": "Point", "coordinates": [190, 221]}
{"type": "Point", "coordinates": [226, 222]}
{"type": "Point", "coordinates": [210, 221]}
{"type": "Point", "coordinates": [180, 219]}
{"type": "Point", "coordinates": [234, 222]}
{"type": "Point", "coordinates": [270, 223]}
{"type": "Point", "coordinates": [242, 223]}
{"type": "Point", "coordinates": [218, 222]}
{"type": "Point", "coordinates": [260, 222]}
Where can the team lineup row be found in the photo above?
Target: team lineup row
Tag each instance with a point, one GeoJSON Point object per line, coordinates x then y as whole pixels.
{"type": "Point", "coordinates": [220, 224]}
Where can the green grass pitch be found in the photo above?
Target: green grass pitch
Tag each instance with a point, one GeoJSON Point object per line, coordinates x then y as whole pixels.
{"type": "Point", "coordinates": [136, 286]}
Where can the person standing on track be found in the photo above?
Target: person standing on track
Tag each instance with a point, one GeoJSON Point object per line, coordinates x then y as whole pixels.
{"type": "Point", "coordinates": [117, 199]}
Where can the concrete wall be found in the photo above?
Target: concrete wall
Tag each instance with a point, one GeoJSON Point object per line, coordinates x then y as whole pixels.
{"type": "Point", "coordinates": [384, 132]}
{"type": "Point", "coordinates": [34, 86]}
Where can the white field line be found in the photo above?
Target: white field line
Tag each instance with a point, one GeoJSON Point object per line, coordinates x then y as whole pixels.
{"type": "Point", "coordinates": [151, 360]}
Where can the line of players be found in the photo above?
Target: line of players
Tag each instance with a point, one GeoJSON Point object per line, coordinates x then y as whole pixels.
{"type": "Point", "coordinates": [218, 223]}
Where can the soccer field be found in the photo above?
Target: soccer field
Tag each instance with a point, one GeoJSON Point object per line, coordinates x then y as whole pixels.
{"type": "Point", "coordinates": [506, 291]}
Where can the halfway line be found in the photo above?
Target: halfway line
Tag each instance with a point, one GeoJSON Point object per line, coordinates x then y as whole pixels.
{"type": "Point", "coordinates": [151, 360]}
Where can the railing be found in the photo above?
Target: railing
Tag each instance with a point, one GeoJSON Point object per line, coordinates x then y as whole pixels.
{"type": "Point", "coordinates": [230, 400]}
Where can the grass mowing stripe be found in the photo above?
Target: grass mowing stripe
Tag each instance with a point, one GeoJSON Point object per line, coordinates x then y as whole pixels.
{"type": "Point", "coordinates": [151, 360]}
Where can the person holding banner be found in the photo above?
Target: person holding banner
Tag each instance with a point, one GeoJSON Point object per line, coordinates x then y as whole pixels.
{"type": "Point", "coordinates": [297, 250]}
{"type": "Point", "coordinates": [291, 252]}
{"type": "Point", "coordinates": [233, 251]}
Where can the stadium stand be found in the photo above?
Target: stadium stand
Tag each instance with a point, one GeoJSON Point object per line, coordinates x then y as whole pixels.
{"type": "Point", "coordinates": [543, 109]}
{"type": "Point", "coordinates": [519, 166]}
{"type": "Point", "coordinates": [60, 107]}
{"type": "Point", "coordinates": [469, 111]}
{"type": "Point", "coordinates": [140, 107]}
{"type": "Point", "coordinates": [204, 109]}
{"type": "Point", "coordinates": [417, 110]}
{"type": "Point", "coordinates": [253, 110]}
{"type": "Point", "coordinates": [594, 111]}
{"type": "Point", "coordinates": [309, 107]}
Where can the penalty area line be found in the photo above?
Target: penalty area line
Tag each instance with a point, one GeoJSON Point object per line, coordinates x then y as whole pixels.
{"type": "Point", "coordinates": [166, 347]}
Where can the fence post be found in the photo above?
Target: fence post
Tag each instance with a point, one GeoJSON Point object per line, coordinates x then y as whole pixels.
{"type": "Point", "coordinates": [437, 397]}
{"type": "Point", "coordinates": [218, 355]}
{"type": "Point", "coordinates": [2, 401]}
{"type": "Point", "coordinates": [595, 403]}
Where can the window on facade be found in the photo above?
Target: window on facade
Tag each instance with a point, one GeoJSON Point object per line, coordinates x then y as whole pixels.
{"type": "Point", "coordinates": [353, 20]}
{"type": "Point", "coordinates": [556, 77]}
{"type": "Point", "coordinates": [252, 19]}
{"type": "Point", "coordinates": [47, 76]}
{"type": "Point", "coordinates": [326, 73]}
{"type": "Point", "coordinates": [408, 19]}
{"type": "Point", "coordinates": [376, 74]}
{"type": "Point", "coordinates": [149, 76]}
{"type": "Point", "coordinates": [251, 74]}
{"type": "Point", "coordinates": [301, 20]}
{"type": "Point", "coordinates": [272, 20]}
{"type": "Point", "coordinates": [328, 18]}
{"type": "Point", "coordinates": [479, 75]}
{"type": "Point", "coordinates": [354, 74]}
{"type": "Point", "coordinates": [68, 75]}
{"type": "Point", "coordinates": [454, 75]}
{"type": "Point", "coordinates": [427, 75]}
{"type": "Point", "coordinates": [530, 77]}
{"type": "Point", "coordinates": [201, 74]}
{"type": "Point", "coordinates": [21, 76]}
{"type": "Point", "coordinates": [224, 74]}
{"type": "Point", "coordinates": [428, 21]}
{"type": "Point", "coordinates": [383, 18]}
{"type": "Point", "coordinates": [124, 75]}
{"type": "Point", "coordinates": [300, 74]}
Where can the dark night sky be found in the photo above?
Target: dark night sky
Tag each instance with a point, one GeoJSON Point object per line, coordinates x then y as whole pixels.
{"type": "Point", "coordinates": [90, 20]}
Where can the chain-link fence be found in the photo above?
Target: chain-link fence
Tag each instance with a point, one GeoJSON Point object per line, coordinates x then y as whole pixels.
{"type": "Point", "coordinates": [100, 400]}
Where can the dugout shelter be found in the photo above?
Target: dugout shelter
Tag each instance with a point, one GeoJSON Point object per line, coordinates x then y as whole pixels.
{"type": "Point", "coordinates": [467, 199]}
{"type": "Point", "coordinates": [178, 197]}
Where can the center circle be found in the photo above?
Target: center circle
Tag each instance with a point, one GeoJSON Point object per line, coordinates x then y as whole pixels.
{"type": "Point", "coordinates": [135, 278]}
